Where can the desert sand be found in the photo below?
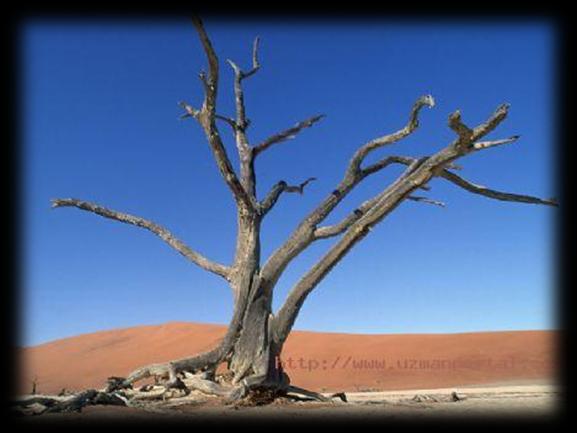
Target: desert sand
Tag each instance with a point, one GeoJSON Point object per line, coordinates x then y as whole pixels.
{"type": "Point", "coordinates": [318, 361]}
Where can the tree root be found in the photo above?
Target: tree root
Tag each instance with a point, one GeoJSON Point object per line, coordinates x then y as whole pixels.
{"type": "Point", "coordinates": [200, 383]}
{"type": "Point", "coordinates": [169, 371]}
{"type": "Point", "coordinates": [312, 395]}
{"type": "Point", "coordinates": [36, 405]}
{"type": "Point", "coordinates": [237, 395]}
{"type": "Point", "coordinates": [176, 380]}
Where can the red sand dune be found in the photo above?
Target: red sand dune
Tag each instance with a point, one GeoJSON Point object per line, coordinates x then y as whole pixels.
{"type": "Point", "coordinates": [319, 361]}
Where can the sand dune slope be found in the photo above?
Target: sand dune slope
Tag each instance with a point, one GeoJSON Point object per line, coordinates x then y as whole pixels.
{"type": "Point", "coordinates": [320, 361]}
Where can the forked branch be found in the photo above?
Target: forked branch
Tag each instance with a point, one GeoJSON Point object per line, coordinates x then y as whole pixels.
{"type": "Point", "coordinates": [241, 124]}
{"type": "Point", "coordinates": [161, 232]}
{"type": "Point", "coordinates": [207, 116]}
{"type": "Point", "coordinates": [412, 125]}
{"type": "Point", "coordinates": [308, 230]}
{"type": "Point", "coordinates": [190, 111]}
{"type": "Point", "coordinates": [457, 125]}
{"type": "Point", "coordinates": [418, 173]}
{"type": "Point", "coordinates": [467, 141]}
{"type": "Point", "coordinates": [239, 75]}
{"type": "Point", "coordinates": [275, 192]}
{"type": "Point", "coordinates": [336, 229]}
{"type": "Point", "coordinates": [341, 227]}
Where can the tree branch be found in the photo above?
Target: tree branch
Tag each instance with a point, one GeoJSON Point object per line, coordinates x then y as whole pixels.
{"type": "Point", "coordinates": [207, 118]}
{"type": "Point", "coordinates": [300, 187]}
{"type": "Point", "coordinates": [255, 62]}
{"type": "Point", "coordinates": [211, 83]}
{"type": "Point", "coordinates": [385, 162]}
{"type": "Point", "coordinates": [189, 111]}
{"type": "Point", "coordinates": [418, 173]}
{"type": "Point", "coordinates": [161, 232]}
{"type": "Point", "coordinates": [365, 207]}
{"type": "Point", "coordinates": [304, 234]}
{"type": "Point", "coordinates": [486, 144]}
{"type": "Point", "coordinates": [360, 155]}
{"type": "Point", "coordinates": [231, 122]}
{"type": "Point", "coordinates": [406, 160]}
{"type": "Point", "coordinates": [287, 134]}
{"type": "Point", "coordinates": [242, 122]}
{"type": "Point", "coordinates": [459, 181]}
{"type": "Point", "coordinates": [426, 200]}
{"type": "Point", "coordinates": [496, 118]}
{"type": "Point", "coordinates": [467, 136]}
{"type": "Point", "coordinates": [339, 228]}
{"type": "Point", "coordinates": [457, 125]}
{"type": "Point", "coordinates": [497, 195]}
{"type": "Point", "coordinates": [194, 113]}
{"type": "Point", "coordinates": [354, 228]}
{"type": "Point", "coordinates": [275, 192]}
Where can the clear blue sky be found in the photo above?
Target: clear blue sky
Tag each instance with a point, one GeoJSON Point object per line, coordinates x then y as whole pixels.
{"type": "Point", "coordinates": [100, 123]}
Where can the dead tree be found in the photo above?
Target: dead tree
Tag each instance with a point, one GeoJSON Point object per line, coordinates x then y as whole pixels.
{"type": "Point", "coordinates": [254, 340]}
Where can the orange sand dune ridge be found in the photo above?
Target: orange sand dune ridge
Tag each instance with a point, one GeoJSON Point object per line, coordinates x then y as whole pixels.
{"type": "Point", "coordinates": [315, 360]}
